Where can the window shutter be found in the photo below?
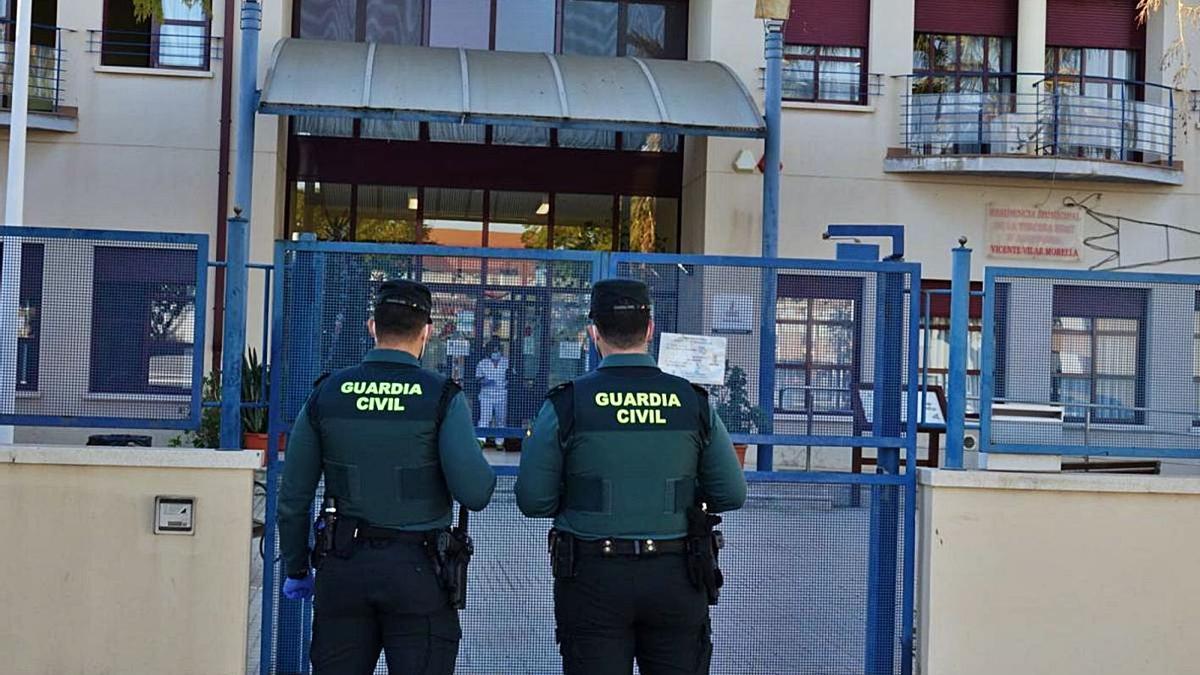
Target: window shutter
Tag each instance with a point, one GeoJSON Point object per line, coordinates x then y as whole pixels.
{"type": "Point", "coordinates": [831, 23]}
{"type": "Point", "coordinates": [977, 17]}
{"type": "Point", "coordinates": [1101, 24]}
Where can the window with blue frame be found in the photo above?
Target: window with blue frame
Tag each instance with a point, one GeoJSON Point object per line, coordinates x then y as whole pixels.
{"type": "Point", "coordinates": [817, 343]}
{"type": "Point", "coordinates": [29, 314]}
{"type": "Point", "coordinates": [143, 321]}
{"type": "Point", "coordinates": [1098, 348]}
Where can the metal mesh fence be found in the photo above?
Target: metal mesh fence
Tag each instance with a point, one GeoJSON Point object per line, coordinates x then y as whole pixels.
{"type": "Point", "coordinates": [797, 597]}
{"type": "Point", "coordinates": [506, 327]}
{"type": "Point", "coordinates": [1083, 363]}
{"type": "Point", "coordinates": [109, 331]}
{"type": "Point", "coordinates": [837, 330]}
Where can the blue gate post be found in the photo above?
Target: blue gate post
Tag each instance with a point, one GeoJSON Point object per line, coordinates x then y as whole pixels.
{"type": "Point", "coordinates": [301, 322]}
{"type": "Point", "coordinates": [772, 156]}
{"type": "Point", "coordinates": [956, 387]}
{"type": "Point", "coordinates": [275, 426]}
{"type": "Point", "coordinates": [238, 247]}
{"type": "Point", "coordinates": [885, 499]}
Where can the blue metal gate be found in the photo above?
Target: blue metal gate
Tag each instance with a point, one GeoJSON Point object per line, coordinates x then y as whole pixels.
{"type": "Point", "coordinates": [819, 565]}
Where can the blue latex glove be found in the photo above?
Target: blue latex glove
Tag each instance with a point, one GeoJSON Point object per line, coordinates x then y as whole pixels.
{"type": "Point", "coordinates": [299, 589]}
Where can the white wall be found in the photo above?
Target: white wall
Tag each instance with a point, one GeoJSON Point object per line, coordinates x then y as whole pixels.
{"type": "Point", "coordinates": [1071, 575]}
{"type": "Point", "coordinates": [88, 588]}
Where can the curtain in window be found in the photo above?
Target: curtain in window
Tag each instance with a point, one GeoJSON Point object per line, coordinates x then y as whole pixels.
{"type": "Point", "coordinates": [182, 36]}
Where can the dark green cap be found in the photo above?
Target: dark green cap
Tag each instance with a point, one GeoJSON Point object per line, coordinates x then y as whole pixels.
{"type": "Point", "coordinates": [619, 295]}
{"type": "Point", "coordinates": [406, 293]}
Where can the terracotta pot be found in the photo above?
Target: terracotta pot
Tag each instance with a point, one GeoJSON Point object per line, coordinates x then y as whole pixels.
{"type": "Point", "coordinates": [256, 441]}
{"type": "Point", "coordinates": [740, 449]}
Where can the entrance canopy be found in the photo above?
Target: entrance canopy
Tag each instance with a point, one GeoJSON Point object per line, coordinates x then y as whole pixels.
{"type": "Point", "coordinates": [381, 81]}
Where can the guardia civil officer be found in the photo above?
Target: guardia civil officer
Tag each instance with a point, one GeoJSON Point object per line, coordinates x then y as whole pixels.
{"type": "Point", "coordinates": [619, 458]}
{"type": "Point", "coordinates": [395, 443]}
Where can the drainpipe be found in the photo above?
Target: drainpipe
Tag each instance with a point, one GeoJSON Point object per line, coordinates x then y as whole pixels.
{"type": "Point", "coordinates": [238, 236]}
{"type": "Point", "coordinates": [218, 322]}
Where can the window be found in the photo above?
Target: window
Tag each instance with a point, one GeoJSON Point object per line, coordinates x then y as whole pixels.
{"type": "Point", "coordinates": [518, 219]}
{"type": "Point", "coordinates": [816, 350]}
{"type": "Point", "coordinates": [143, 321]}
{"type": "Point", "coordinates": [825, 52]}
{"type": "Point", "coordinates": [935, 338]}
{"type": "Point", "coordinates": [1098, 73]}
{"type": "Point", "coordinates": [1098, 354]}
{"type": "Point", "coordinates": [178, 38]}
{"type": "Point", "coordinates": [453, 217]}
{"type": "Point", "coordinates": [29, 314]}
{"type": "Point", "coordinates": [828, 74]}
{"type": "Point", "coordinates": [962, 63]}
{"type": "Point", "coordinates": [583, 222]}
{"type": "Point", "coordinates": [525, 25]}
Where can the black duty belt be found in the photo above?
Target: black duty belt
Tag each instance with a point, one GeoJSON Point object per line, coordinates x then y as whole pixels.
{"type": "Point", "coordinates": [373, 533]}
{"type": "Point", "coordinates": [630, 547]}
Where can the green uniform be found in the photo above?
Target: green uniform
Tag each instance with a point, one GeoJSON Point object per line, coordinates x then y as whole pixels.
{"type": "Point", "coordinates": [618, 456]}
{"type": "Point", "coordinates": [634, 458]}
{"type": "Point", "coordinates": [371, 430]}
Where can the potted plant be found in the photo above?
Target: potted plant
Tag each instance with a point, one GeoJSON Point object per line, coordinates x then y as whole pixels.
{"type": "Point", "coordinates": [255, 419]}
{"type": "Point", "coordinates": [735, 410]}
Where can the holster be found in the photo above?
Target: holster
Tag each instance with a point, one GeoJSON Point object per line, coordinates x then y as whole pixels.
{"type": "Point", "coordinates": [450, 550]}
{"type": "Point", "coordinates": [704, 543]}
{"type": "Point", "coordinates": [332, 534]}
{"type": "Point", "coordinates": [562, 554]}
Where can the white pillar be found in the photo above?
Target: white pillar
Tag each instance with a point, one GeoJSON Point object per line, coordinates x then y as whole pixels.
{"type": "Point", "coordinates": [1031, 49]}
{"type": "Point", "coordinates": [14, 208]}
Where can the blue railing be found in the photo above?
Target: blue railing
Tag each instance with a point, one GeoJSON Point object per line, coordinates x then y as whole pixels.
{"type": "Point", "coordinates": [1035, 114]}
{"type": "Point", "coordinates": [47, 67]}
{"type": "Point", "coordinates": [178, 45]}
{"type": "Point", "coordinates": [803, 86]}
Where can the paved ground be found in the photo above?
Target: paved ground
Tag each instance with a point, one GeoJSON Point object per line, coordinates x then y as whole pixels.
{"type": "Point", "coordinates": [795, 599]}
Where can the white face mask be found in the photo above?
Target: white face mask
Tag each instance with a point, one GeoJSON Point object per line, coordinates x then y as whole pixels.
{"type": "Point", "coordinates": [495, 356]}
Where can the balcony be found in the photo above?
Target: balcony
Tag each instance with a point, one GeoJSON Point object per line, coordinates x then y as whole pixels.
{"type": "Point", "coordinates": [47, 72]}
{"type": "Point", "coordinates": [1042, 130]}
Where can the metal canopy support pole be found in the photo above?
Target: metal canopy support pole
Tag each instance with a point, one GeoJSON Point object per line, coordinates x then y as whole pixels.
{"type": "Point", "coordinates": [238, 246]}
{"type": "Point", "coordinates": [956, 390]}
{"type": "Point", "coordinates": [773, 109]}
{"type": "Point", "coordinates": [14, 214]}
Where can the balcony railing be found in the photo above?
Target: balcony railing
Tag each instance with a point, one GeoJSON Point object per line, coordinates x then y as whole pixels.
{"type": "Point", "coordinates": [1134, 123]}
{"type": "Point", "coordinates": [175, 46]}
{"type": "Point", "coordinates": [828, 87]}
{"type": "Point", "coordinates": [47, 68]}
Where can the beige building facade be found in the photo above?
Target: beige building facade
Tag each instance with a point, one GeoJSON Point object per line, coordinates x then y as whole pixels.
{"type": "Point", "coordinates": [135, 136]}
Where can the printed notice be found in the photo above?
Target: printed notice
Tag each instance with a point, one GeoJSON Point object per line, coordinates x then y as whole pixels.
{"type": "Point", "coordinates": [700, 359]}
{"type": "Point", "coordinates": [1028, 233]}
{"type": "Point", "coordinates": [733, 314]}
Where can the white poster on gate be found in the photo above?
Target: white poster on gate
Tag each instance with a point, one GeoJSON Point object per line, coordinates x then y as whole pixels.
{"type": "Point", "coordinates": [699, 359]}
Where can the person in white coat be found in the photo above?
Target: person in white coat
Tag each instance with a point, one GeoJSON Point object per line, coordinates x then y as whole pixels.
{"type": "Point", "coordinates": [492, 374]}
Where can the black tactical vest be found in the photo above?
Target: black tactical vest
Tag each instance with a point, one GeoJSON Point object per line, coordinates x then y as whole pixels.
{"type": "Point", "coordinates": [378, 423]}
{"type": "Point", "coordinates": [632, 437]}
